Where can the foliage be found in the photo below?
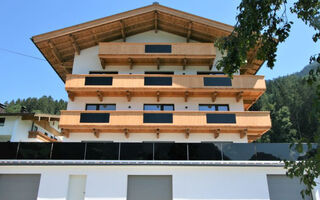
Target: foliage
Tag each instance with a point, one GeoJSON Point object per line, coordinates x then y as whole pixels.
{"type": "Point", "coordinates": [264, 24]}
{"type": "Point", "coordinates": [45, 104]}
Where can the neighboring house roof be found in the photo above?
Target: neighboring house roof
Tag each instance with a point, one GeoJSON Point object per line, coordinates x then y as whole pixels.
{"type": "Point", "coordinates": [60, 46]}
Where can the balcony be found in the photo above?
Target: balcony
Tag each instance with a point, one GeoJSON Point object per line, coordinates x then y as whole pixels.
{"type": "Point", "coordinates": [252, 124]}
{"type": "Point", "coordinates": [246, 87]}
{"type": "Point", "coordinates": [41, 136]}
{"type": "Point", "coordinates": [151, 151]}
{"type": "Point", "coordinates": [176, 54]}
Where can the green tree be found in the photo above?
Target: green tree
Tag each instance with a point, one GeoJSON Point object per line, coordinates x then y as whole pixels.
{"type": "Point", "coordinates": [264, 24]}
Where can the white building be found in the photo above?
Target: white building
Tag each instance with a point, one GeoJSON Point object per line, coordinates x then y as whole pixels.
{"type": "Point", "coordinates": [150, 117]}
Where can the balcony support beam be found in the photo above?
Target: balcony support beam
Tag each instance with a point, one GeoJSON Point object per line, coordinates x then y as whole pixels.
{"type": "Point", "coordinates": [214, 96]}
{"type": "Point", "coordinates": [243, 133]}
{"type": "Point", "coordinates": [100, 95]}
{"type": "Point", "coordinates": [130, 61]}
{"type": "Point", "coordinates": [96, 133]}
{"type": "Point", "coordinates": [55, 53]}
{"type": "Point", "coordinates": [189, 31]}
{"type": "Point", "coordinates": [158, 63]}
{"type": "Point", "coordinates": [184, 63]}
{"type": "Point", "coordinates": [158, 96]}
{"type": "Point", "coordinates": [186, 95]}
{"type": "Point", "coordinates": [103, 63]}
{"type": "Point", "coordinates": [216, 133]}
{"type": "Point", "coordinates": [74, 44]}
{"type": "Point", "coordinates": [123, 31]}
{"type": "Point", "coordinates": [65, 132]}
{"type": "Point", "coordinates": [71, 96]}
{"type": "Point", "coordinates": [156, 22]}
{"type": "Point", "coordinates": [126, 133]}
{"type": "Point", "coordinates": [128, 94]}
{"type": "Point", "coordinates": [239, 96]}
{"type": "Point", "coordinates": [187, 134]}
{"type": "Point", "coordinates": [158, 133]}
{"type": "Point", "coordinates": [210, 64]}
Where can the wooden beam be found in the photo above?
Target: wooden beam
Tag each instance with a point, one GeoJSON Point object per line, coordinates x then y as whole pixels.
{"type": "Point", "coordinates": [123, 31]}
{"type": "Point", "coordinates": [55, 52]}
{"type": "Point", "coordinates": [243, 133]}
{"type": "Point", "coordinates": [130, 63]}
{"type": "Point", "coordinates": [158, 96]}
{"type": "Point", "coordinates": [187, 133]}
{"type": "Point", "coordinates": [216, 133]}
{"type": "Point", "coordinates": [158, 133]}
{"type": "Point", "coordinates": [103, 63]}
{"type": "Point", "coordinates": [71, 96]}
{"type": "Point", "coordinates": [156, 22]}
{"type": "Point", "coordinates": [74, 44]}
{"type": "Point", "coordinates": [96, 133]}
{"type": "Point", "coordinates": [100, 95]}
{"type": "Point", "coordinates": [126, 132]}
{"type": "Point", "coordinates": [158, 63]}
{"type": "Point", "coordinates": [65, 133]}
{"type": "Point", "coordinates": [46, 126]}
{"type": "Point", "coordinates": [128, 93]}
{"type": "Point", "coordinates": [211, 63]}
{"type": "Point", "coordinates": [214, 96]}
{"type": "Point", "coordinates": [239, 96]}
{"type": "Point", "coordinates": [186, 95]}
{"type": "Point", "coordinates": [184, 63]}
{"type": "Point", "coordinates": [189, 31]}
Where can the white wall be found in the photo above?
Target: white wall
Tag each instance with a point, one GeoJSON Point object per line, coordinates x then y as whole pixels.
{"type": "Point", "coordinates": [136, 103]}
{"type": "Point", "coordinates": [189, 182]}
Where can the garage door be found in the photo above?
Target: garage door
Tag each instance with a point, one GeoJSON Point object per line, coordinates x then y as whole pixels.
{"type": "Point", "coordinates": [19, 186]}
{"type": "Point", "coordinates": [149, 187]}
{"type": "Point", "coordinates": [282, 187]}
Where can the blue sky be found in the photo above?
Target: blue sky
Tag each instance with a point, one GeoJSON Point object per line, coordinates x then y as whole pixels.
{"type": "Point", "coordinates": [23, 77]}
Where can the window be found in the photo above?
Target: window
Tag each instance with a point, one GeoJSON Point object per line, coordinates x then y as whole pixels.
{"type": "Point", "coordinates": [210, 73]}
{"type": "Point", "coordinates": [157, 48]}
{"type": "Point", "coordinates": [2, 121]}
{"type": "Point", "coordinates": [158, 81]}
{"type": "Point", "coordinates": [94, 117]}
{"type": "Point", "coordinates": [101, 107]}
{"type": "Point", "coordinates": [158, 107]}
{"type": "Point", "coordinates": [213, 107]}
{"type": "Point", "coordinates": [157, 72]}
{"type": "Point", "coordinates": [103, 72]}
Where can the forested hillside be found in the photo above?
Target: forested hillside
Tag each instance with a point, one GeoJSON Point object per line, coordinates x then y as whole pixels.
{"type": "Point", "coordinates": [45, 104]}
{"type": "Point", "coordinates": [293, 109]}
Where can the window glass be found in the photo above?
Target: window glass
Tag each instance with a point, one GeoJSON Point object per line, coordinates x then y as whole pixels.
{"type": "Point", "coordinates": [158, 72]}
{"type": "Point", "coordinates": [159, 107]}
{"type": "Point", "coordinates": [102, 72]}
{"type": "Point", "coordinates": [210, 73]}
{"type": "Point", "coordinates": [222, 108]}
{"type": "Point", "coordinates": [2, 121]}
{"type": "Point", "coordinates": [91, 107]}
{"type": "Point", "coordinates": [107, 107]}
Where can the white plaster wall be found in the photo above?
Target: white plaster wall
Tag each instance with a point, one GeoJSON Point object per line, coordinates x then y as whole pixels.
{"type": "Point", "coordinates": [88, 59]}
{"type": "Point", "coordinates": [189, 182]}
{"type": "Point", "coordinates": [136, 103]}
{"type": "Point", "coordinates": [8, 125]}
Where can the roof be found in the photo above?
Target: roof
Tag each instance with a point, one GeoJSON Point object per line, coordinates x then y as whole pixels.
{"type": "Point", "coordinates": [34, 116]}
{"type": "Point", "coordinates": [59, 47]}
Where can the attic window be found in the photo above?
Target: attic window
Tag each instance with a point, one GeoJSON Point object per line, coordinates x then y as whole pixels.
{"type": "Point", "coordinates": [157, 48]}
{"type": "Point", "coordinates": [2, 121]}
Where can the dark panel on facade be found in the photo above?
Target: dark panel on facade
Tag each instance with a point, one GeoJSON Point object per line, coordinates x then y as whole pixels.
{"type": "Point", "coordinates": [157, 118]}
{"type": "Point", "coordinates": [94, 117]}
{"type": "Point", "coordinates": [204, 151]}
{"type": "Point", "coordinates": [217, 81]}
{"type": "Point", "coordinates": [221, 118]}
{"type": "Point", "coordinates": [170, 151]}
{"type": "Point", "coordinates": [102, 151]}
{"type": "Point", "coordinates": [68, 151]}
{"type": "Point", "coordinates": [136, 151]}
{"type": "Point", "coordinates": [160, 81]}
{"type": "Point", "coordinates": [158, 48]}
{"type": "Point", "coordinates": [239, 151]}
{"type": "Point", "coordinates": [98, 81]}
{"type": "Point", "coordinates": [34, 150]}
{"type": "Point", "coordinates": [8, 150]}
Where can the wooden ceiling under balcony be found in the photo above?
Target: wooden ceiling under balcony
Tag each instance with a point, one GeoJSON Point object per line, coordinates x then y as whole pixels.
{"type": "Point", "coordinates": [60, 46]}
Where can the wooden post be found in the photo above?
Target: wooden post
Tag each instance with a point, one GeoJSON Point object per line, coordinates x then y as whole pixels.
{"type": "Point", "coordinates": [184, 63]}
{"type": "Point", "coordinates": [158, 96]}
{"type": "Point", "coordinates": [216, 133]}
{"type": "Point", "coordinates": [100, 95]}
{"type": "Point", "coordinates": [128, 93]}
{"type": "Point", "coordinates": [103, 63]}
{"type": "Point", "coordinates": [130, 63]}
{"type": "Point", "coordinates": [186, 95]}
{"type": "Point", "coordinates": [126, 132]}
{"type": "Point", "coordinates": [158, 133]}
{"type": "Point", "coordinates": [187, 133]}
{"type": "Point", "coordinates": [156, 21]}
{"type": "Point", "coordinates": [65, 132]}
{"type": "Point", "coordinates": [96, 133]}
{"type": "Point", "coordinates": [243, 133]}
{"type": "Point", "coordinates": [158, 63]}
{"type": "Point", "coordinates": [71, 96]}
{"type": "Point", "coordinates": [239, 96]}
{"type": "Point", "coordinates": [189, 31]}
{"type": "Point", "coordinates": [214, 96]}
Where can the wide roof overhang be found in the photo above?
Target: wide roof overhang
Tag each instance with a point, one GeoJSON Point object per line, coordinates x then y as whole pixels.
{"type": "Point", "coordinates": [59, 47]}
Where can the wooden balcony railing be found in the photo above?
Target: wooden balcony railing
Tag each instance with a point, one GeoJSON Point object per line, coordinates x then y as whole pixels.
{"type": "Point", "coordinates": [183, 54]}
{"type": "Point", "coordinates": [248, 87]}
{"type": "Point", "coordinates": [245, 123]}
{"type": "Point", "coordinates": [41, 136]}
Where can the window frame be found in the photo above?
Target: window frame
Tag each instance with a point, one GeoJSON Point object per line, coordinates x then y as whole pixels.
{"type": "Point", "coordinates": [161, 107]}
{"type": "Point", "coordinates": [216, 107]}
{"type": "Point", "coordinates": [98, 106]}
